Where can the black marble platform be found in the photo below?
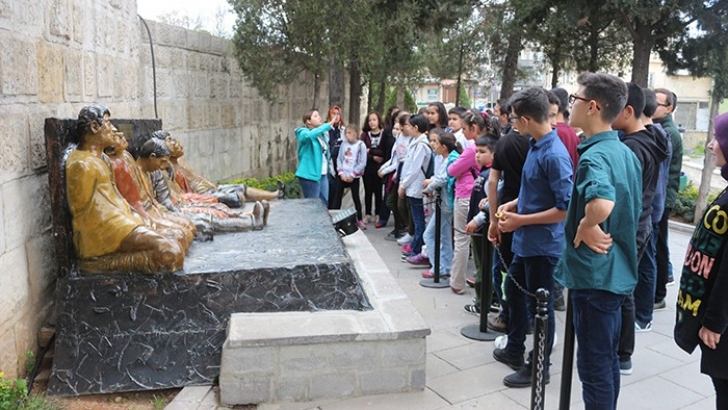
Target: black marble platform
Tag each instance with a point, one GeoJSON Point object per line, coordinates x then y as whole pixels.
{"type": "Point", "coordinates": [134, 332]}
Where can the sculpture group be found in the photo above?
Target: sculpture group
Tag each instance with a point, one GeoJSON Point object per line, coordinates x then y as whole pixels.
{"type": "Point", "coordinates": [140, 211]}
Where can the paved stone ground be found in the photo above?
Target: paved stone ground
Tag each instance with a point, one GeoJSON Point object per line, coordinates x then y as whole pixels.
{"type": "Point", "coordinates": [462, 374]}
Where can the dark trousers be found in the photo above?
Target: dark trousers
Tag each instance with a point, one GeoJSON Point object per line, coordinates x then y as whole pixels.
{"type": "Point", "coordinates": [354, 187]}
{"type": "Point", "coordinates": [721, 393]}
{"type": "Point", "coordinates": [335, 192]}
{"type": "Point", "coordinates": [644, 293]}
{"type": "Point", "coordinates": [372, 187]}
{"type": "Point", "coordinates": [476, 249]}
{"type": "Point", "coordinates": [662, 257]}
{"type": "Point", "coordinates": [532, 273]}
{"type": "Point", "coordinates": [418, 218]}
{"type": "Point", "coordinates": [506, 256]}
{"type": "Point", "coordinates": [597, 321]}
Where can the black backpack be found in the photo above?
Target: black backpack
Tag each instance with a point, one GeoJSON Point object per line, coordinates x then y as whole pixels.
{"type": "Point", "coordinates": [430, 164]}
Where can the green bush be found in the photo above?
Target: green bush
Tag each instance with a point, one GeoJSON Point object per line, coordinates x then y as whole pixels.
{"type": "Point", "coordinates": [685, 203]}
{"type": "Point", "coordinates": [293, 187]}
{"type": "Point", "coordinates": [12, 393]}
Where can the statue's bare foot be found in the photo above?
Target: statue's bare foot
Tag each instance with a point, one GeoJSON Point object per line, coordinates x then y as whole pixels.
{"type": "Point", "coordinates": [266, 211]}
{"type": "Point", "coordinates": [281, 189]}
{"type": "Point", "coordinates": [257, 216]}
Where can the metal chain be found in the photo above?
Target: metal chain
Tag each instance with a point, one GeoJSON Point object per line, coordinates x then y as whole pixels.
{"type": "Point", "coordinates": [540, 368]}
{"type": "Point", "coordinates": [508, 273]}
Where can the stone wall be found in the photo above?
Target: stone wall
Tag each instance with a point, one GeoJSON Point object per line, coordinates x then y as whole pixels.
{"type": "Point", "coordinates": [57, 56]}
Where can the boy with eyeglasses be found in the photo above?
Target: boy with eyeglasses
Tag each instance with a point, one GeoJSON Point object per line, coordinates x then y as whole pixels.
{"type": "Point", "coordinates": [599, 263]}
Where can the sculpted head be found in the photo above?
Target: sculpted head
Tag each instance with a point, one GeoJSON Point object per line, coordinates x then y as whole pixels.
{"type": "Point", "coordinates": [175, 148]}
{"type": "Point", "coordinates": [154, 154]}
{"type": "Point", "coordinates": [94, 124]}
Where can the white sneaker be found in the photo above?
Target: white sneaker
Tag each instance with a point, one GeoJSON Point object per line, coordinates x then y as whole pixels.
{"type": "Point", "coordinates": [407, 238]}
{"type": "Point", "coordinates": [501, 342]}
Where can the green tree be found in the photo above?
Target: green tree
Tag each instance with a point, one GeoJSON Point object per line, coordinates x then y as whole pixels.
{"type": "Point", "coordinates": [705, 55]}
{"type": "Point", "coordinates": [655, 25]}
{"type": "Point", "coordinates": [275, 40]}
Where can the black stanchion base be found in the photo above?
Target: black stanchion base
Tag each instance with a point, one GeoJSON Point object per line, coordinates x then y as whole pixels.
{"type": "Point", "coordinates": [473, 332]}
{"type": "Point", "coordinates": [430, 283]}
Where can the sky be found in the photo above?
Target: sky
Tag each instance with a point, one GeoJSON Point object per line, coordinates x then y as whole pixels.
{"type": "Point", "coordinates": [152, 9]}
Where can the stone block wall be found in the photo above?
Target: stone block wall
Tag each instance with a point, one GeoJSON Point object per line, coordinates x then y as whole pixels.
{"type": "Point", "coordinates": [57, 56]}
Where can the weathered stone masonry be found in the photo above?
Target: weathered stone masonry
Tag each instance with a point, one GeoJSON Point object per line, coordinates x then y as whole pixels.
{"type": "Point", "coordinates": [57, 56]}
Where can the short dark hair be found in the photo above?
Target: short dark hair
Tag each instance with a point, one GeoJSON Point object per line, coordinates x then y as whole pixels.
{"type": "Point", "coordinates": [609, 91]}
{"type": "Point", "coordinates": [154, 146]}
{"type": "Point", "coordinates": [420, 122]}
{"type": "Point", "coordinates": [88, 115]}
{"type": "Point", "coordinates": [448, 140]}
{"type": "Point", "coordinates": [161, 134]}
{"type": "Point", "coordinates": [563, 97]}
{"type": "Point", "coordinates": [459, 111]}
{"type": "Point", "coordinates": [650, 102]}
{"type": "Point", "coordinates": [486, 141]}
{"type": "Point", "coordinates": [505, 106]}
{"type": "Point", "coordinates": [670, 97]}
{"type": "Point", "coordinates": [553, 98]}
{"type": "Point", "coordinates": [403, 117]}
{"type": "Point", "coordinates": [635, 99]}
{"type": "Point", "coordinates": [532, 102]}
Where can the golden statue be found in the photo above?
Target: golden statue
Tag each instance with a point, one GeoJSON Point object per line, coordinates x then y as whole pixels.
{"type": "Point", "coordinates": [107, 234]}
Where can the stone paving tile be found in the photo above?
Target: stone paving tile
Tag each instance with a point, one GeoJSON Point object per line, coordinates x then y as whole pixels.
{"type": "Point", "coordinates": [470, 355]}
{"type": "Point", "coordinates": [669, 349]}
{"type": "Point", "coordinates": [443, 340]}
{"type": "Point", "coordinates": [469, 384]}
{"type": "Point", "coordinates": [425, 400]}
{"type": "Point", "coordinates": [437, 367]}
{"type": "Point", "coordinates": [493, 401]}
{"type": "Point", "coordinates": [647, 364]}
{"type": "Point", "coordinates": [704, 404]}
{"type": "Point", "coordinates": [656, 393]}
{"type": "Point", "coordinates": [699, 383]}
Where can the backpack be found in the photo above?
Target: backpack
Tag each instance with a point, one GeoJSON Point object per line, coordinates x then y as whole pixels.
{"type": "Point", "coordinates": [431, 163]}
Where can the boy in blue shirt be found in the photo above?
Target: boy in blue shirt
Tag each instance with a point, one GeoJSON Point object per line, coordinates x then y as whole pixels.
{"type": "Point", "coordinates": [599, 265]}
{"type": "Point", "coordinates": [536, 219]}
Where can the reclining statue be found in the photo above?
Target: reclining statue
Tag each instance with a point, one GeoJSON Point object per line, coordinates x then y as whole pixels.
{"type": "Point", "coordinates": [107, 235]}
{"type": "Point", "coordinates": [189, 181]}
{"type": "Point", "coordinates": [208, 214]}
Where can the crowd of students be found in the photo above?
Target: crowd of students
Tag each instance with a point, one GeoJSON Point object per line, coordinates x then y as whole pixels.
{"type": "Point", "coordinates": [574, 192]}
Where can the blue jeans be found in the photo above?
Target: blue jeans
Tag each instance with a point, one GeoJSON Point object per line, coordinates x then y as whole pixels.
{"type": "Point", "coordinates": [316, 189]}
{"type": "Point", "coordinates": [445, 242]}
{"type": "Point", "coordinates": [418, 217]}
{"type": "Point", "coordinates": [597, 320]}
{"type": "Point", "coordinates": [532, 273]}
{"type": "Point", "coordinates": [644, 293]}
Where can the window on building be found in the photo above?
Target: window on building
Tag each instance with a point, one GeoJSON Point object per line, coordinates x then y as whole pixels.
{"type": "Point", "coordinates": [432, 94]}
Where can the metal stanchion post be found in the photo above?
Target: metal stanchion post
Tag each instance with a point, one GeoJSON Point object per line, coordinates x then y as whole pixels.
{"type": "Point", "coordinates": [568, 362]}
{"type": "Point", "coordinates": [539, 365]}
{"type": "Point", "coordinates": [436, 281]}
{"type": "Point", "coordinates": [480, 331]}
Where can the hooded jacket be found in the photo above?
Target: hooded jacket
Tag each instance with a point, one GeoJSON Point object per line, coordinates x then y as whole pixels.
{"type": "Point", "coordinates": [673, 184]}
{"type": "Point", "coordinates": [658, 202]}
{"type": "Point", "coordinates": [650, 151]}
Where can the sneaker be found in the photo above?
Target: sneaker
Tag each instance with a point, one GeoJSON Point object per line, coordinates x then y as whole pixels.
{"type": "Point", "coordinates": [502, 355]}
{"type": "Point", "coordinates": [380, 224]}
{"type": "Point", "coordinates": [498, 324]}
{"type": "Point", "coordinates": [660, 305]}
{"type": "Point", "coordinates": [470, 282]}
{"type": "Point", "coordinates": [366, 219]}
{"type": "Point", "coordinates": [501, 342]}
{"type": "Point", "coordinates": [361, 225]}
{"type": "Point", "coordinates": [407, 238]}
{"type": "Point", "coordinates": [419, 260]}
{"type": "Point", "coordinates": [472, 309]}
{"type": "Point", "coordinates": [560, 303]}
{"type": "Point", "coordinates": [642, 329]}
{"type": "Point", "coordinates": [495, 307]}
{"type": "Point", "coordinates": [427, 274]}
{"type": "Point", "coordinates": [670, 281]}
{"type": "Point", "coordinates": [625, 367]}
{"type": "Point", "coordinates": [406, 249]}
{"type": "Point", "coordinates": [522, 377]}
{"type": "Point", "coordinates": [457, 291]}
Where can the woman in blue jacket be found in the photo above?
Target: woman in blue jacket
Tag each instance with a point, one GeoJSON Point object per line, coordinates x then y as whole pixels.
{"type": "Point", "coordinates": [313, 155]}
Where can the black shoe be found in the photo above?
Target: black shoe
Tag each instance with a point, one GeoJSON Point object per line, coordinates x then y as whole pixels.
{"type": "Point", "coordinates": [281, 189]}
{"type": "Point", "coordinates": [502, 355]}
{"type": "Point", "coordinates": [560, 303]}
{"type": "Point", "coordinates": [522, 377]}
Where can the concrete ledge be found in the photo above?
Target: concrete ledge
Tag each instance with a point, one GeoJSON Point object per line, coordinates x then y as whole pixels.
{"type": "Point", "coordinates": [303, 356]}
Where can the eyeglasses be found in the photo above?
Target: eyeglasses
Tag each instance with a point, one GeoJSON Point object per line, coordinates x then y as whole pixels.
{"type": "Point", "coordinates": [663, 105]}
{"type": "Point", "coordinates": [573, 98]}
